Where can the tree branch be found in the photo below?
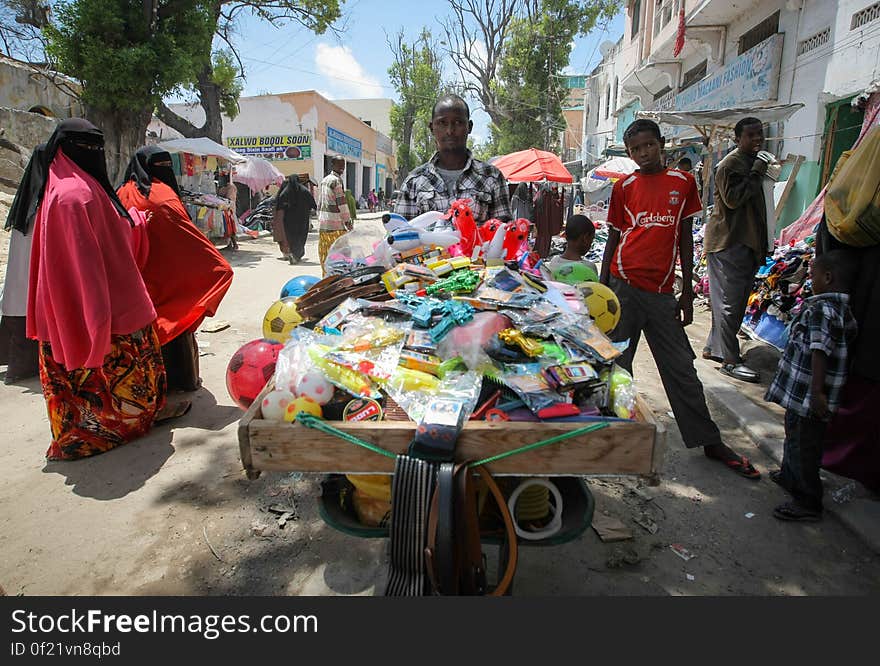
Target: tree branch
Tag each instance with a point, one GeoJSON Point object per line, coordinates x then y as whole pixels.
{"type": "Point", "coordinates": [176, 122]}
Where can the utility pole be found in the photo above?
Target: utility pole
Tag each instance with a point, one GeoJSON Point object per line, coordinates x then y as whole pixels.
{"type": "Point", "coordinates": [549, 91]}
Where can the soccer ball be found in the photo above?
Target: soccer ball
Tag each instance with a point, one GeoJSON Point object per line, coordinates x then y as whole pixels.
{"type": "Point", "coordinates": [302, 404]}
{"type": "Point", "coordinates": [603, 305]}
{"type": "Point", "coordinates": [274, 405]}
{"type": "Point", "coordinates": [574, 272]}
{"type": "Point", "coordinates": [250, 368]}
{"type": "Point", "coordinates": [281, 318]}
{"type": "Point", "coordinates": [314, 385]}
{"type": "Point", "coordinates": [297, 286]}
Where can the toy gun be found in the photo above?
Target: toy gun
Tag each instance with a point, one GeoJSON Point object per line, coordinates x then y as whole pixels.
{"type": "Point", "coordinates": [462, 281]}
{"type": "Point", "coordinates": [453, 313]}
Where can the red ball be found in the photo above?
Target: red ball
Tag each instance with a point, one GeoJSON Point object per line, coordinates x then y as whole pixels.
{"type": "Point", "coordinates": [250, 368]}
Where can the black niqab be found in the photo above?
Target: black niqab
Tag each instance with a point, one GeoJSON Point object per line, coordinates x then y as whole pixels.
{"type": "Point", "coordinates": [148, 163]}
{"type": "Point", "coordinates": [82, 143]}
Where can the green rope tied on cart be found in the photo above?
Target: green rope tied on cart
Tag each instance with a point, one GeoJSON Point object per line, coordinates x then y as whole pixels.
{"type": "Point", "coordinates": [310, 421]}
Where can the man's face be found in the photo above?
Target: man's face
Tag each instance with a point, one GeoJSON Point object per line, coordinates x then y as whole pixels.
{"type": "Point", "coordinates": [646, 150]}
{"type": "Point", "coordinates": [338, 165]}
{"type": "Point", "coordinates": [450, 128]}
{"type": "Point", "coordinates": [751, 139]}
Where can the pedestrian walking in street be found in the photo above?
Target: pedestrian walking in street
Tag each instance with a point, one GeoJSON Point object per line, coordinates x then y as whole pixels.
{"type": "Point", "coordinates": [100, 359]}
{"type": "Point", "coordinates": [17, 351]}
{"type": "Point", "coordinates": [185, 275]}
{"type": "Point", "coordinates": [295, 201]}
{"type": "Point", "coordinates": [453, 173]}
{"type": "Point", "coordinates": [372, 201]}
{"type": "Point", "coordinates": [736, 244]}
{"type": "Point", "coordinates": [334, 218]}
{"type": "Point", "coordinates": [649, 221]}
{"type": "Point", "coordinates": [809, 382]}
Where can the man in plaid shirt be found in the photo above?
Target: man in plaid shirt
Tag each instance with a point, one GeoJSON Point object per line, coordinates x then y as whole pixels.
{"type": "Point", "coordinates": [452, 173]}
{"type": "Point", "coordinates": [809, 381]}
{"type": "Point", "coordinates": [334, 218]}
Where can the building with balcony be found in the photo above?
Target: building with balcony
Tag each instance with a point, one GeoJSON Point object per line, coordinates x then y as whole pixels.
{"type": "Point", "coordinates": [821, 53]}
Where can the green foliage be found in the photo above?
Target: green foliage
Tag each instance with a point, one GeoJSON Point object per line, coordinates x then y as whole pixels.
{"type": "Point", "coordinates": [122, 60]}
{"type": "Point", "coordinates": [530, 88]}
{"type": "Point", "coordinates": [417, 75]}
{"type": "Point", "coordinates": [228, 79]}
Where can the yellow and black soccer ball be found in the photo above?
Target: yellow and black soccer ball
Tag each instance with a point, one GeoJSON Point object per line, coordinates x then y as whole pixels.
{"type": "Point", "coordinates": [281, 318]}
{"type": "Point", "coordinates": [602, 304]}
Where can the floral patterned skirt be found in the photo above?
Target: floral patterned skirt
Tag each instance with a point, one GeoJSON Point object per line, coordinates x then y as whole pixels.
{"type": "Point", "coordinates": [92, 410]}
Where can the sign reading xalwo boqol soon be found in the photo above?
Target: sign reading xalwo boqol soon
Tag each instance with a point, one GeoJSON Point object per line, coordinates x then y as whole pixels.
{"type": "Point", "coordinates": [276, 147]}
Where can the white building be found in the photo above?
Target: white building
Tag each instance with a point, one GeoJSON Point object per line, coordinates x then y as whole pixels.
{"type": "Point", "coordinates": [821, 53]}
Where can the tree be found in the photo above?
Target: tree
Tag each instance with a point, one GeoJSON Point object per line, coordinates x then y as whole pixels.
{"type": "Point", "coordinates": [511, 54]}
{"type": "Point", "coordinates": [214, 89]}
{"type": "Point", "coordinates": [127, 58]}
{"type": "Point", "coordinates": [475, 36]}
{"type": "Point", "coordinates": [417, 74]}
{"type": "Point", "coordinates": [129, 54]}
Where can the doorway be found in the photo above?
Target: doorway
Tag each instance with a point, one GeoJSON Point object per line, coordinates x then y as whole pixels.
{"type": "Point", "coordinates": [842, 126]}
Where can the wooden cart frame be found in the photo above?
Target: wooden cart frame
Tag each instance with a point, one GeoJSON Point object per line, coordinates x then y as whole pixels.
{"type": "Point", "coordinates": [623, 448]}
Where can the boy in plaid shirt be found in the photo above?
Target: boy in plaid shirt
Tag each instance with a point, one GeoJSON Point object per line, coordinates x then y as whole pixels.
{"type": "Point", "coordinates": [809, 380]}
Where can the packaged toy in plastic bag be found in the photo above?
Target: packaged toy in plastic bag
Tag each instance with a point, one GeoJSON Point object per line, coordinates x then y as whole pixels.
{"type": "Point", "coordinates": [623, 392]}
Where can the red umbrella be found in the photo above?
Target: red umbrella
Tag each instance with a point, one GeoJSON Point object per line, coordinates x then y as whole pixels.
{"type": "Point", "coordinates": [532, 165]}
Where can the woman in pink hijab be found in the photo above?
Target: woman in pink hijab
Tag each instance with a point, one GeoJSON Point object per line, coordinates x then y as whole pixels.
{"type": "Point", "coordinates": [100, 361]}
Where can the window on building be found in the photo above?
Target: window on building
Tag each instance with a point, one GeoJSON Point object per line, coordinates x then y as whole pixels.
{"type": "Point", "coordinates": [607, 100]}
{"type": "Point", "coordinates": [663, 92]}
{"type": "Point", "coordinates": [867, 15]}
{"type": "Point", "coordinates": [616, 88]}
{"type": "Point", "coordinates": [636, 18]}
{"type": "Point", "coordinates": [815, 41]}
{"type": "Point", "coordinates": [765, 29]}
{"type": "Point", "coordinates": [695, 74]}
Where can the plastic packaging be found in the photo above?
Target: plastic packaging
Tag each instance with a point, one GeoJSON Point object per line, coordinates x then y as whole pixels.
{"type": "Point", "coordinates": [528, 382]}
{"type": "Point", "coordinates": [469, 341]}
{"type": "Point", "coordinates": [622, 391]}
{"type": "Point", "coordinates": [413, 392]}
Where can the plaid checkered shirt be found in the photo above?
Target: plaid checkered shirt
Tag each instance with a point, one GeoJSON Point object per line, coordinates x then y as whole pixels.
{"type": "Point", "coordinates": [424, 190]}
{"type": "Point", "coordinates": [824, 323]}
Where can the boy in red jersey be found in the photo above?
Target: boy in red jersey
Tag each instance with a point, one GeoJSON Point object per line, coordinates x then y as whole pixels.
{"type": "Point", "coordinates": [649, 223]}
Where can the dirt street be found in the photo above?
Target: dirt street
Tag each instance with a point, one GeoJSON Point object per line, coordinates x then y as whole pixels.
{"type": "Point", "coordinates": [173, 514]}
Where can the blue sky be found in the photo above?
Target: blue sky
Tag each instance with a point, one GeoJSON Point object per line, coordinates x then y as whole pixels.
{"type": "Point", "coordinates": [355, 63]}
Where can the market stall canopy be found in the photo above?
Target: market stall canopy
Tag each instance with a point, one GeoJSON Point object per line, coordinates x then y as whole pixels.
{"type": "Point", "coordinates": [532, 166]}
{"type": "Point", "coordinates": [607, 173]}
{"type": "Point", "coordinates": [257, 173]}
{"type": "Point", "coordinates": [704, 121]}
{"type": "Point", "coordinates": [202, 146]}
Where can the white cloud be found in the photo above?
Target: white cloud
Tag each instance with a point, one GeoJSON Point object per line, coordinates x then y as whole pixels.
{"type": "Point", "coordinates": [345, 73]}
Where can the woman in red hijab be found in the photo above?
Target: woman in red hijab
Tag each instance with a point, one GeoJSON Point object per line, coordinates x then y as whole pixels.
{"type": "Point", "coordinates": [100, 363]}
{"type": "Point", "coordinates": [185, 275]}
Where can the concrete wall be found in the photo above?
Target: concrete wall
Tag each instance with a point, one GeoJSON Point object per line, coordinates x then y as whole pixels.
{"type": "Point", "coordinates": [25, 131]}
{"type": "Point", "coordinates": [376, 111]}
{"type": "Point", "coordinates": [22, 88]}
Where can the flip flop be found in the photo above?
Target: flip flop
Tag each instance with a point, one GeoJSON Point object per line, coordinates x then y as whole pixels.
{"type": "Point", "coordinates": [169, 413]}
{"type": "Point", "coordinates": [794, 513]}
{"type": "Point", "coordinates": [741, 466]}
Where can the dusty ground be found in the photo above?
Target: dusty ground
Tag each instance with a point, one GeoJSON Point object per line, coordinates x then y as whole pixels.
{"type": "Point", "coordinates": [143, 519]}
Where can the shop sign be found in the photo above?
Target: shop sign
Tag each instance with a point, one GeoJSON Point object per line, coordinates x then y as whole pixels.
{"type": "Point", "coordinates": [752, 77]}
{"type": "Point", "coordinates": [339, 142]}
{"type": "Point", "coordinates": [383, 144]}
{"type": "Point", "coordinates": [275, 147]}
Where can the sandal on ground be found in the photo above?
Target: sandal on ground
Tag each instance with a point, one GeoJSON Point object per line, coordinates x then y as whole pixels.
{"type": "Point", "coordinates": [174, 411]}
{"type": "Point", "coordinates": [740, 372]}
{"type": "Point", "coordinates": [794, 513]}
{"type": "Point", "coordinates": [741, 466]}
